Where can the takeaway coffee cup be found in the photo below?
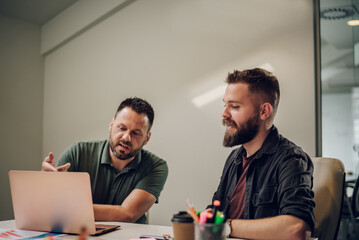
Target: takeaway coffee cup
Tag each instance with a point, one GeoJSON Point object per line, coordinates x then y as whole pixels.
{"type": "Point", "coordinates": [183, 228]}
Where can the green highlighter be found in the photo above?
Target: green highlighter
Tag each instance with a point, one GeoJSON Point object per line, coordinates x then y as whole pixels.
{"type": "Point", "coordinates": [219, 218]}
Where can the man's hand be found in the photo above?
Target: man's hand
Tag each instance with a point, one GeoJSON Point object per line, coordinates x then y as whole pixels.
{"type": "Point", "coordinates": [49, 165]}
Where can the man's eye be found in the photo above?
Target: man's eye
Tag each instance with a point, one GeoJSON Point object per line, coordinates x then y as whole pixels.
{"type": "Point", "coordinates": [231, 106]}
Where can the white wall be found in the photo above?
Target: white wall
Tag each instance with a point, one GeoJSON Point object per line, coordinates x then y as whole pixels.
{"type": "Point", "coordinates": [21, 103]}
{"type": "Point", "coordinates": [169, 52]}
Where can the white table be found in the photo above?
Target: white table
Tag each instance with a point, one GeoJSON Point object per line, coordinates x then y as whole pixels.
{"type": "Point", "coordinates": [127, 231]}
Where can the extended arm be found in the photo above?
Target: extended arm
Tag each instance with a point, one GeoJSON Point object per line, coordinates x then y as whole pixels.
{"type": "Point", "coordinates": [278, 227]}
{"type": "Point", "coordinates": [133, 207]}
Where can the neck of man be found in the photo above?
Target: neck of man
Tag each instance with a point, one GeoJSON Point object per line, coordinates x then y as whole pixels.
{"type": "Point", "coordinates": [256, 143]}
{"type": "Point", "coordinates": [119, 164]}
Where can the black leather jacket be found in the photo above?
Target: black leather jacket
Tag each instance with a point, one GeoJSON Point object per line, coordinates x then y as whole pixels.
{"type": "Point", "coordinates": [279, 181]}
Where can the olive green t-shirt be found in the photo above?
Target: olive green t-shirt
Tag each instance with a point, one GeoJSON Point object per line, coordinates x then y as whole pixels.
{"type": "Point", "coordinates": [147, 172]}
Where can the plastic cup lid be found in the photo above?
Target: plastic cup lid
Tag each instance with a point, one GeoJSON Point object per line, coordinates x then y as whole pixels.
{"type": "Point", "coordinates": [182, 217]}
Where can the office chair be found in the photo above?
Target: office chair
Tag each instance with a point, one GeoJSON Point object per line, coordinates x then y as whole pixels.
{"type": "Point", "coordinates": [350, 213]}
{"type": "Point", "coordinates": [328, 187]}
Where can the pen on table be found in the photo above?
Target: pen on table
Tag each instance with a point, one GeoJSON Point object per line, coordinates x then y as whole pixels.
{"type": "Point", "coordinates": [191, 211]}
{"type": "Point", "coordinates": [156, 237]}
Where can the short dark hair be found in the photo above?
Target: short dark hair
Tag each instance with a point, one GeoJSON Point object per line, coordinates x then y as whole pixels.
{"type": "Point", "coordinates": [260, 81]}
{"type": "Point", "coordinates": [139, 106]}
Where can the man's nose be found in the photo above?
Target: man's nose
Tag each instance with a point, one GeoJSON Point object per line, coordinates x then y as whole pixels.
{"type": "Point", "coordinates": [225, 113]}
{"type": "Point", "coordinates": [127, 136]}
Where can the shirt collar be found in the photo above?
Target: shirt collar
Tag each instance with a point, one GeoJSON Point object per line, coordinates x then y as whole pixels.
{"type": "Point", "coordinates": [106, 159]}
{"type": "Point", "coordinates": [269, 146]}
{"type": "Point", "coordinates": [135, 162]}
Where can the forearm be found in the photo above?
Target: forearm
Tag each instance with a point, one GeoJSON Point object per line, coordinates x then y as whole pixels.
{"type": "Point", "coordinates": [135, 205]}
{"type": "Point", "coordinates": [115, 213]}
{"type": "Point", "coordinates": [279, 227]}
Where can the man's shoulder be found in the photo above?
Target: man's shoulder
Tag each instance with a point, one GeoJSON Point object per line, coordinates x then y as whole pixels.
{"type": "Point", "coordinates": [287, 145]}
{"type": "Point", "coordinates": [280, 143]}
{"type": "Point", "coordinates": [287, 150]}
{"type": "Point", "coordinates": [87, 153]}
{"type": "Point", "coordinates": [281, 148]}
{"type": "Point", "coordinates": [87, 148]}
{"type": "Point", "coordinates": [89, 144]}
{"type": "Point", "coordinates": [150, 157]}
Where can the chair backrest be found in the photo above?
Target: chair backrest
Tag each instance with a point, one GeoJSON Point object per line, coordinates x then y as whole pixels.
{"type": "Point", "coordinates": [147, 217]}
{"type": "Point", "coordinates": [355, 199]}
{"type": "Point", "coordinates": [328, 187]}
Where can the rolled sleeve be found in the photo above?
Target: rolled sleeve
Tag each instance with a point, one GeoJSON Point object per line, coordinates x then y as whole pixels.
{"type": "Point", "coordinates": [155, 180]}
{"type": "Point", "coordinates": [295, 190]}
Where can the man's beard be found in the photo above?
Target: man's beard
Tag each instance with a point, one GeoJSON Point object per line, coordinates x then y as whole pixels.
{"type": "Point", "coordinates": [120, 154]}
{"type": "Point", "coordinates": [245, 132]}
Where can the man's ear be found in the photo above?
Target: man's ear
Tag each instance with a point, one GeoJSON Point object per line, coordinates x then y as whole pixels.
{"type": "Point", "coordinates": [265, 110]}
{"type": "Point", "coordinates": [111, 123]}
{"type": "Point", "coordinates": [148, 137]}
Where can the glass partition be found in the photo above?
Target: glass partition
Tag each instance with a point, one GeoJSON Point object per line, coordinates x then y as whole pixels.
{"type": "Point", "coordinates": [339, 82]}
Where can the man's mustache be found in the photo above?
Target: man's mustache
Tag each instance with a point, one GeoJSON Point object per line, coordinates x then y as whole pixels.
{"type": "Point", "coordinates": [228, 122]}
{"type": "Point", "coordinates": [127, 143]}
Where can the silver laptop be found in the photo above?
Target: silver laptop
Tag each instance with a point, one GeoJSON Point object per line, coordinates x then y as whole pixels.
{"type": "Point", "coordinates": [54, 202]}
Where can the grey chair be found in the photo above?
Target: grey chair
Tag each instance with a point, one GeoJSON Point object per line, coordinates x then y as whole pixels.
{"type": "Point", "coordinates": [350, 213]}
{"type": "Point", "coordinates": [328, 187]}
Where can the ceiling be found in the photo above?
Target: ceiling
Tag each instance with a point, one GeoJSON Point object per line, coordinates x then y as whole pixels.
{"type": "Point", "coordinates": [337, 45]}
{"type": "Point", "coordinates": [33, 11]}
{"type": "Point", "coordinates": [336, 36]}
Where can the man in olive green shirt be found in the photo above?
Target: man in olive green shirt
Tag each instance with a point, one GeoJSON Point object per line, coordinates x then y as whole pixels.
{"type": "Point", "coordinates": [126, 180]}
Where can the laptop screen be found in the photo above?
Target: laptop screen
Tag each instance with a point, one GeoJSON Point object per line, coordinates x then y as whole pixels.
{"type": "Point", "coordinates": [52, 201]}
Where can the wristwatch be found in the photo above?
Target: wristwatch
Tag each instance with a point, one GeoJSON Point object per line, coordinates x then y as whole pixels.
{"type": "Point", "coordinates": [228, 228]}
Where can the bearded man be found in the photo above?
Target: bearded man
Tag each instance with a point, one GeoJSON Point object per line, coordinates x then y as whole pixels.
{"type": "Point", "coordinates": [126, 180]}
{"type": "Point", "coordinates": [266, 184]}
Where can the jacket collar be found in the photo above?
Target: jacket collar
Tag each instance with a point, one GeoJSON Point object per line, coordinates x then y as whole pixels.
{"type": "Point", "coordinates": [268, 147]}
